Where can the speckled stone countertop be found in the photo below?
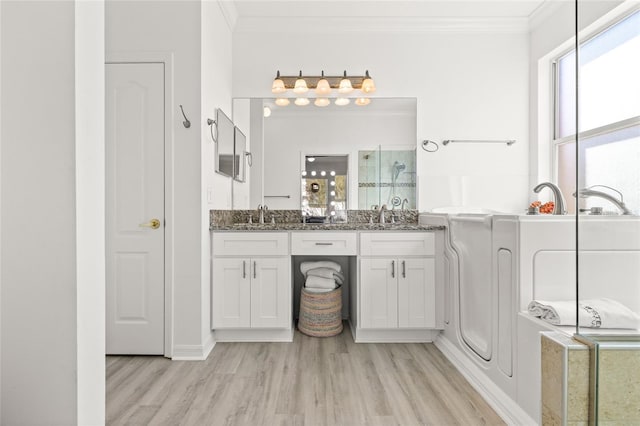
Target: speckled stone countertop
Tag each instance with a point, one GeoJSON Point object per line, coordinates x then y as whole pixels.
{"type": "Point", "coordinates": [326, 227]}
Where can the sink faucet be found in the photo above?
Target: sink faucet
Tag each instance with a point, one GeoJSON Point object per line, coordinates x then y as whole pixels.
{"type": "Point", "coordinates": [261, 210]}
{"type": "Point", "coordinates": [558, 201]}
{"type": "Point", "coordinates": [381, 213]}
{"type": "Point", "coordinates": [589, 192]}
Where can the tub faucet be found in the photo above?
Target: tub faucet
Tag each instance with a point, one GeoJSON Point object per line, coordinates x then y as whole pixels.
{"type": "Point", "coordinates": [381, 213]}
{"type": "Point", "coordinates": [589, 192]}
{"type": "Point", "coordinates": [261, 210]}
{"type": "Point", "coordinates": [558, 202]}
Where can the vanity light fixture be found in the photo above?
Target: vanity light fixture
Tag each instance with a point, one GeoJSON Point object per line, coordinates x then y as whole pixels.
{"type": "Point", "coordinates": [282, 102]}
{"type": "Point", "coordinates": [321, 102]}
{"type": "Point", "coordinates": [278, 85]}
{"type": "Point", "coordinates": [301, 101]}
{"type": "Point", "coordinates": [342, 101]}
{"type": "Point", "coordinates": [322, 84]}
{"type": "Point", "coordinates": [300, 86]}
{"type": "Point", "coordinates": [363, 101]}
{"type": "Point", "coordinates": [345, 86]}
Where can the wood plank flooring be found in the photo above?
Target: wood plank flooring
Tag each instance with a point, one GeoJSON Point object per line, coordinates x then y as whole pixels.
{"type": "Point", "coordinates": [312, 381]}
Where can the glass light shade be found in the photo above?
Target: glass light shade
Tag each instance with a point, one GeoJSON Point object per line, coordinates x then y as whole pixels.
{"type": "Point", "coordinates": [300, 86]}
{"type": "Point", "coordinates": [301, 101]}
{"type": "Point", "coordinates": [367, 85]}
{"type": "Point", "coordinates": [266, 111]}
{"type": "Point", "coordinates": [345, 86]}
{"type": "Point", "coordinates": [282, 101]}
{"type": "Point", "coordinates": [342, 101]}
{"type": "Point", "coordinates": [363, 101]}
{"type": "Point", "coordinates": [322, 102]}
{"type": "Point", "coordinates": [278, 86]}
{"type": "Point", "coordinates": [323, 87]}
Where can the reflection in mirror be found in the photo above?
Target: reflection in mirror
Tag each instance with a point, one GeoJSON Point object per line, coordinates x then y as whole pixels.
{"type": "Point", "coordinates": [280, 142]}
{"type": "Point", "coordinates": [224, 144]}
{"type": "Point", "coordinates": [387, 176]}
{"type": "Point", "coordinates": [324, 188]}
{"type": "Point", "coordinates": [239, 150]}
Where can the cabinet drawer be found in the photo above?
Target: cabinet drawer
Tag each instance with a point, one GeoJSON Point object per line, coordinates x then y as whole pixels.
{"type": "Point", "coordinates": [250, 243]}
{"type": "Point", "coordinates": [397, 244]}
{"type": "Point", "coordinates": [323, 243]}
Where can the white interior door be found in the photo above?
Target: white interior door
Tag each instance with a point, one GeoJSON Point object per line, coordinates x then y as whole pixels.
{"type": "Point", "coordinates": [135, 208]}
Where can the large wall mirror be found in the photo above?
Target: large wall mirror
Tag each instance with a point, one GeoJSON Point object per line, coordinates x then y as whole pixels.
{"type": "Point", "coordinates": [375, 142]}
{"type": "Point", "coordinates": [224, 144]}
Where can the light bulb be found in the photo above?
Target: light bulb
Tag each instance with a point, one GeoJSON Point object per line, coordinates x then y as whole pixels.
{"type": "Point", "coordinates": [300, 86]}
{"type": "Point", "coordinates": [323, 87]}
{"type": "Point", "coordinates": [266, 111]}
{"type": "Point", "coordinates": [321, 102]}
{"type": "Point", "coordinates": [363, 101]}
{"type": "Point", "coordinates": [342, 101]}
{"type": "Point", "coordinates": [332, 173]}
{"type": "Point", "coordinates": [278, 85]}
{"type": "Point", "coordinates": [333, 203]}
{"type": "Point", "coordinates": [311, 159]}
{"type": "Point", "coordinates": [345, 86]}
{"type": "Point", "coordinates": [301, 101]}
{"type": "Point", "coordinates": [313, 172]}
{"type": "Point", "coordinates": [333, 193]}
{"type": "Point", "coordinates": [333, 183]}
{"type": "Point", "coordinates": [333, 213]}
{"type": "Point", "coordinates": [304, 173]}
{"type": "Point", "coordinates": [367, 85]}
{"type": "Point", "coordinates": [323, 173]}
{"type": "Point", "coordinates": [282, 102]}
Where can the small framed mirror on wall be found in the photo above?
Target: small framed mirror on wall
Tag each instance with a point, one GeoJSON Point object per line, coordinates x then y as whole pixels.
{"type": "Point", "coordinates": [324, 187]}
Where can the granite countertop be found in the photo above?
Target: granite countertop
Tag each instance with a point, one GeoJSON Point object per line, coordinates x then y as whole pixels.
{"type": "Point", "coordinates": [325, 227]}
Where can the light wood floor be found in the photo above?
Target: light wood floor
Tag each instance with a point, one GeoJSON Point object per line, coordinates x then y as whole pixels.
{"type": "Point", "coordinates": [312, 381]}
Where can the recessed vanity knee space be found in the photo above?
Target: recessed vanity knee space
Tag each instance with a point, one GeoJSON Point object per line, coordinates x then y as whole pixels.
{"type": "Point", "coordinates": [391, 291]}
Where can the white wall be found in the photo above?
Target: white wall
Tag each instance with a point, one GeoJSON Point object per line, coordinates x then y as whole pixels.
{"type": "Point", "coordinates": [47, 354]}
{"type": "Point", "coordinates": [173, 27]}
{"type": "Point", "coordinates": [216, 81]}
{"type": "Point", "coordinates": [469, 85]}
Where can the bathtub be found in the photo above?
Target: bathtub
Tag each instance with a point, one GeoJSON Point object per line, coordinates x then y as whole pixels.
{"type": "Point", "coordinates": [504, 262]}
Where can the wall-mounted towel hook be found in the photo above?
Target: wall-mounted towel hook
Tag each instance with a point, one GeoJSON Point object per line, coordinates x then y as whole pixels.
{"type": "Point", "coordinates": [186, 123]}
{"type": "Point", "coordinates": [430, 146]}
{"type": "Point", "coordinates": [212, 124]}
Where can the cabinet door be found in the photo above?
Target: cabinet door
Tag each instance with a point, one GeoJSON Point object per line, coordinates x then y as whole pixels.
{"type": "Point", "coordinates": [230, 293]}
{"type": "Point", "coordinates": [270, 292]}
{"type": "Point", "coordinates": [416, 293]}
{"type": "Point", "coordinates": [378, 293]}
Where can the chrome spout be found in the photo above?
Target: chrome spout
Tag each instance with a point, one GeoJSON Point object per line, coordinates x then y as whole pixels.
{"type": "Point", "coordinates": [381, 213]}
{"type": "Point", "coordinates": [261, 210]}
{"type": "Point", "coordinates": [559, 202]}
{"type": "Point", "coordinates": [589, 192]}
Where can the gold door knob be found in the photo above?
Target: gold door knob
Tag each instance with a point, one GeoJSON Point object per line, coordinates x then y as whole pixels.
{"type": "Point", "coordinates": [153, 224]}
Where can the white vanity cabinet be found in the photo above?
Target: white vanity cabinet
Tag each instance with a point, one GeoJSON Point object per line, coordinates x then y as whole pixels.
{"type": "Point", "coordinates": [251, 280]}
{"type": "Point", "coordinates": [397, 280]}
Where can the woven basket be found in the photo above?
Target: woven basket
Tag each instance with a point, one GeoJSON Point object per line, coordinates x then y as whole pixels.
{"type": "Point", "coordinates": [320, 313]}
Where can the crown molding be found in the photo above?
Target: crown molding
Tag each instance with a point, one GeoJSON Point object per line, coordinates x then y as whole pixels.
{"type": "Point", "coordinates": [380, 24]}
{"type": "Point", "coordinates": [230, 13]}
{"type": "Point", "coordinates": [543, 12]}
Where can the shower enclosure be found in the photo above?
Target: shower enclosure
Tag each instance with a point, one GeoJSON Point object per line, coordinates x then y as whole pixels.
{"type": "Point", "coordinates": [387, 176]}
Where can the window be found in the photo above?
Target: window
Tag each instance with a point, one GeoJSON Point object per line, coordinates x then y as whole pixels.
{"type": "Point", "coordinates": [609, 121]}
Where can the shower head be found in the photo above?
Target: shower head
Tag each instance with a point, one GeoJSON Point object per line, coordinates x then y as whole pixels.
{"type": "Point", "coordinates": [397, 168]}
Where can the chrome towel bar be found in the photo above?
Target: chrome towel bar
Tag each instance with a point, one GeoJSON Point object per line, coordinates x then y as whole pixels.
{"type": "Point", "coordinates": [507, 141]}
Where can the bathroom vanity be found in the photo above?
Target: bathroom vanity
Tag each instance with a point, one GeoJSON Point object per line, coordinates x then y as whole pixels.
{"type": "Point", "coordinates": [392, 292]}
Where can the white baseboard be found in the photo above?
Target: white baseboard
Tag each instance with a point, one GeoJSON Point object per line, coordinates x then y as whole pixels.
{"type": "Point", "coordinates": [254, 335]}
{"type": "Point", "coordinates": [501, 403]}
{"type": "Point", "coordinates": [393, 336]}
{"type": "Point", "coordinates": [193, 352]}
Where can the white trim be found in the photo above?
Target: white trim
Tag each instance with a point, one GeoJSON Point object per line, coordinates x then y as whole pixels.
{"type": "Point", "coordinates": [193, 352]}
{"type": "Point", "coordinates": [501, 403]}
{"type": "Point", "coordinates": [394, 336]}
{"type": "Point", "coordinates": [543, 12]}
{"type": "Point", "coordinates": [90, 210]}
{"type": "Point", "coordinates": [165, 58]}
{"type": "Point", "coordinates": [339, 24]}
{"type": "Point", "coordinates": [254, 335]}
